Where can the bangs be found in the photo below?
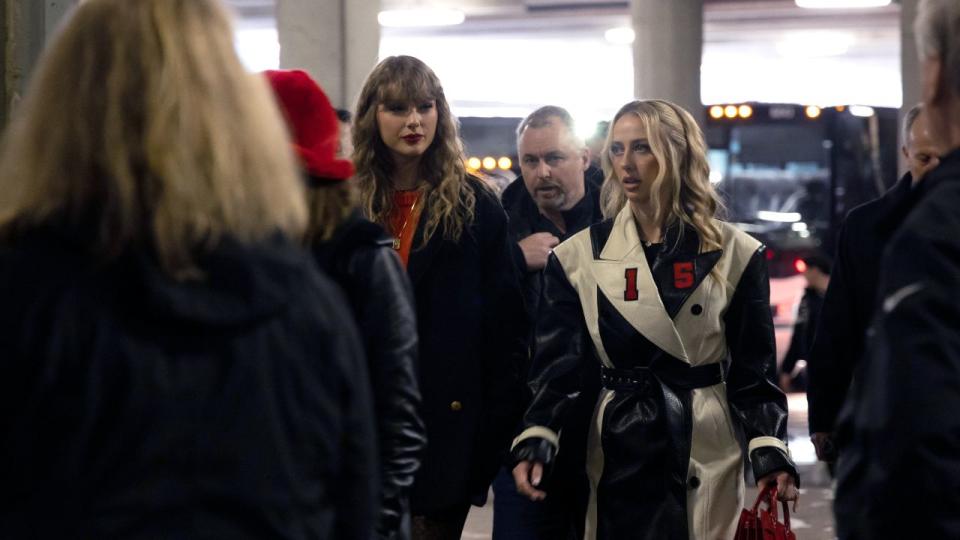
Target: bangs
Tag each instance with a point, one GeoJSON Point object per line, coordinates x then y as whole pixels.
{"type": "Point", "coordinates": [412, 86]}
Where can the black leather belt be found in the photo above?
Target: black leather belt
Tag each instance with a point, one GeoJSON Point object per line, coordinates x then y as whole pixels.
{"type": "Point", "coordinates": [674, 373]}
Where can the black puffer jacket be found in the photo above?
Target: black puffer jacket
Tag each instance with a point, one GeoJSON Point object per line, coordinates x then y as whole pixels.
{"type": "Point", "coordinates": [134, 406]}
{"type": "Point", "coordinates": [361, 259]}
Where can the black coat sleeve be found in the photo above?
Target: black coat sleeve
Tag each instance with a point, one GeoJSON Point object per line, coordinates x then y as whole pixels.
{"type": "Point", "coordinates": [755, 400]}
{"type": "Point", "coordinates": [834, 351]}
{"type": "Point", "coordinates": [562, 345]}
{"type": "Point", "coordinates": [899, 472]}
{"type": "Point", "coordinates": [382, 299]}
{"type": "Point", "coordinates": [504, 348]}
{"type": "Point", "coordinates": [357, 483]}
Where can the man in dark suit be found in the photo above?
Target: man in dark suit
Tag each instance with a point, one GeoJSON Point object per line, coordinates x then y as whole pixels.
{"type": "Point", "coordinates": [849, 302]}
{"type": "Point", "coordinates": [899, 470]}
{"type": "Point", "coordinates": [550, 202]}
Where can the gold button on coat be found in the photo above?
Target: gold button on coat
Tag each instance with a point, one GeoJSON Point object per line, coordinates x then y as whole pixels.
{"type": "Point", "coordinates": [456, 406]}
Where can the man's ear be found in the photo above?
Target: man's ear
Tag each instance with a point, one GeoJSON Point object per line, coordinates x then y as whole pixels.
{"type": "Point", "coordinates": [934, 84]}
{"type": "Point", "coordinates": [903, 150]}
{"type": "Point", "coordinates": [585, 158]}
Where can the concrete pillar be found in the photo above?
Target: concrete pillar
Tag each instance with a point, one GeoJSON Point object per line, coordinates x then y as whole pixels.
{"type": "Point", "coordinates": [336, 41]}
{"type": "Point", "coordinates": [667, 51]}
{"type": "Point", "coordinates": [909, 62]}
{"type": "Point", "coordinates": [25, 27]}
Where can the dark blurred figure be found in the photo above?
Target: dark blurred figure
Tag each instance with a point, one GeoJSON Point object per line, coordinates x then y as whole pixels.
{"type": "Point", "coordinates": [849, 303]}
{"type": "Point", "coordinates": [172, 365]}
{"type": "Point", "coordinates": [595, 143]}
{"type": "Point", "coordinates": [345, 119]}
{"type": "Point", "coordinates": [793, 377]}
{"type": "Point", "coordinates": [358, 255]}
{"type": "Point", "coordinates": [556, 203]}
{"type": "Point", "coordinates": [899, 469]}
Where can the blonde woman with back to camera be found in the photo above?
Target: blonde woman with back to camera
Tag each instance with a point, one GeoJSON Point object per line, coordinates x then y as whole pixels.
{"type": "Point", "coordinates": [674, 304]}
{"type": "Point", "coordinates": [451, 234]}
{"type": "Point", "coordinates": [172, 365]}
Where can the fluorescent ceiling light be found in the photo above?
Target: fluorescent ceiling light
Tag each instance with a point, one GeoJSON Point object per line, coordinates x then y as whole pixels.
{"type": "Point", "coordinates": [622, 35]}
{"type": "Point", "coordinates": [779, 217]}
{"type": "Point", "coordinates": [420, 17]}
{"type": "Point", "coordinates": [815, 44]}
{"type": "Point", "coordinates": [841, 4]}
{"type": "Point", "coordinates": [861, 110]}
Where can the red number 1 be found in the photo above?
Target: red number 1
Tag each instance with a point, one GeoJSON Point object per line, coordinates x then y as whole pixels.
{"type": "Point", "coordinates": [631, 293]}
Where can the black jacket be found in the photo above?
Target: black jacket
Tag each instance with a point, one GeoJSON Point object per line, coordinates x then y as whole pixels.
{"type": "Point", "coordinates": [361, 259]}
{"type": "Point", "coordinates": [848, 303]}
{"type": "Point", "coordinates": [133, 406]}
{"type": "Point", "coordinates": [472, 329]}
{"type": "Point", "coordinates": [899, 473]}
{"type": "Point", "coordinates": [526, 219]}
{"type": "Point", "coordinates": [808, 315]}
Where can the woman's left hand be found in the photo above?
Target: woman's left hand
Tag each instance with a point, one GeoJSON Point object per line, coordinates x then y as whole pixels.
{"type": "Point", "coordinates": [786, 487]}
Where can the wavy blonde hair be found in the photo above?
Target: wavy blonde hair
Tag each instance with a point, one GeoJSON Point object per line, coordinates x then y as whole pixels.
{"type": "Point", "coordinates": [329, 203]}
{"type": "Point", "coordinates": [141, 127]}
{"type": "Point", "coordinates": [450, 200]}
{"type": "Point", "coordinates": [677, 143]}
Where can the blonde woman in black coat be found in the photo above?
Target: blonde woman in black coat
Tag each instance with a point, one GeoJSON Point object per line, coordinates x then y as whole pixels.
{"type": "Point", "coordinates": [171, 363]}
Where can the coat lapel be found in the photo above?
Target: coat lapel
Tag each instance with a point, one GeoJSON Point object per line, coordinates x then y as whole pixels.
{"type": "Point", "coordinates": [621, 255]}
{"type": "Point", "coordinates": [680, 267]}
{"type": "Point", "coordinates": [421, 257]}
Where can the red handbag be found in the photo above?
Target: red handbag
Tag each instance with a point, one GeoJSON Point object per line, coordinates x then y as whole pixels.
{"type": "Point", "coordinates": [760, 524]}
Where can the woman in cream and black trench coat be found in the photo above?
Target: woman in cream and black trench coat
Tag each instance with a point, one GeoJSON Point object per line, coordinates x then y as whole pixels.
{"type": "Point", "coordinates": [682, 327]}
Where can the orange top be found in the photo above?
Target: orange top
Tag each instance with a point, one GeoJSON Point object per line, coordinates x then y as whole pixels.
{"type": "Point", "coordinates": [403, 221]}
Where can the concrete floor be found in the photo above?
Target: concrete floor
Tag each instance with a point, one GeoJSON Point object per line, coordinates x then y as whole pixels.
{"type": "Point", "coordinates": [813, 519]}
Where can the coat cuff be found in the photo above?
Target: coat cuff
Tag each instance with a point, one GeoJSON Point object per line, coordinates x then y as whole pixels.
{"type": "Point", "coordinates": [770, 454]}
{"type": "Point", "coordinates": [536, 443]}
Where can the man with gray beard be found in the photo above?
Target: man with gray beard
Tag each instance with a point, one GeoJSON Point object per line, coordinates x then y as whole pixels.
{"type": "Point", "coordinates": [549, 203]}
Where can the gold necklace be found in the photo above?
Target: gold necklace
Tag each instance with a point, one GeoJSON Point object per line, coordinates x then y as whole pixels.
{"type": "Point", "coordinates": [399, 235]}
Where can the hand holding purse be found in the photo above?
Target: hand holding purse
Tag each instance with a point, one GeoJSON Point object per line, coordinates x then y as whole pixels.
{"type": "Point", "coordinates": [760, 524]}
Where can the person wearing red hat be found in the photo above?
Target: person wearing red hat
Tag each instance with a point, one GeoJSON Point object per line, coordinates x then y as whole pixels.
{"type": "Point", "coordinates": [452, 232]}
{"type": "Point", "coordinates": [358, 255]}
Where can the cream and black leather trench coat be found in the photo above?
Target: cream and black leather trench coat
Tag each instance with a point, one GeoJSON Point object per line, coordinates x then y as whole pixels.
{"type": "Point", "coordinates": [688, 362]}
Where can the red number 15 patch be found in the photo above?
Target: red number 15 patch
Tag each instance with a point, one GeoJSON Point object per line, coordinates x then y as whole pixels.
{"type": "Point", "coordinates": [683, 275]}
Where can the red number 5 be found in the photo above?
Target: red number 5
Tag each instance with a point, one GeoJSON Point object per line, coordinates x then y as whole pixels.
{"type": "Point", "coordinates": [683, 275]}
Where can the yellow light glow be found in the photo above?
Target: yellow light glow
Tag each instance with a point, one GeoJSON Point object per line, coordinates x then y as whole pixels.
{"type": "Point", "coordinates": [474, 163]}
{"type": "Point", "coordinates": [489, 163]}
{"type": "Point", "coordinates": [745, 111]}
{"type": "Point", "coordinates": [716, 112]}
{"type": "Point", "coordinates": [505, 163]}
{"type": "Point", "coordinates": [813, 111]}
{"type": "Point", "coordinates": [730, 111]}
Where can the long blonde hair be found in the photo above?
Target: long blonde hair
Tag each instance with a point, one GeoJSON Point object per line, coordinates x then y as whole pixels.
{"type": "Point", "coordinates": [450, 199]}
{"type": "Point", "coordinates": [141, 127]}
{"type": "Point", "coordinates": [677, 143]}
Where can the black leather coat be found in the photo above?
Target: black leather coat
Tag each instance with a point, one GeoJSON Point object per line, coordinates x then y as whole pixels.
{"type": "Point", "coordinates": [684, 362]}
{"type": "Point", "coordinates": [134, 406]}
{"type": "Point", "coordinates": [472, 342]}
{"type": "Point", "coordinates": [361, 259]}
{"type": "Point", "coordinates": [899, 472]}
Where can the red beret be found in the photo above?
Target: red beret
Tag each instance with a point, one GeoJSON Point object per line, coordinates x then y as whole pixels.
{"type": "Point", "coordinates": [313, 123]}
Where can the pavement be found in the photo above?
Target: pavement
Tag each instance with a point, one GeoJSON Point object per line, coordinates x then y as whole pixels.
{"type": "Point", "coordinates": [813, 519]}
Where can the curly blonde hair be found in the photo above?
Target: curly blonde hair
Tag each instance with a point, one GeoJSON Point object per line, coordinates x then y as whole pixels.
{"type": "Point", "coordinates": [450, 200]}
{"type": "Point", "coordinates": [141, 127]}
{"type": "Point", "coordinates": [677, 143]}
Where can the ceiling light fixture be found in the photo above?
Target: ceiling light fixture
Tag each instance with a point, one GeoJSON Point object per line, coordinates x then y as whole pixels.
{"type": "Point", "coordinates": [420, 17]}
{"type": "Point", "coordinates": [842, 4]}
{"type": "Point", "coordinates": [621, 35]}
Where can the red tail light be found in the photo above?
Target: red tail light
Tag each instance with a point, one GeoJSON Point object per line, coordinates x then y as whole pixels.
{"type": "Point", "coordinates": [800, 266]}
